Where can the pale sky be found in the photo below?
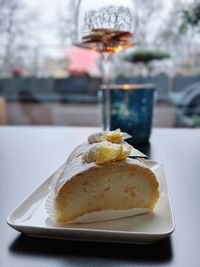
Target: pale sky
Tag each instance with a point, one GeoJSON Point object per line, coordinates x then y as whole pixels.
{"type": "Point", "coordinates": [48, 10]}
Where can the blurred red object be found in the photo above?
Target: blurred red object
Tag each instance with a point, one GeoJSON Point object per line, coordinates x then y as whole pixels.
{"type": "Point", "coordinates": [16, 72]}
{"type": "Point", "coordinates": [77, 72]}
{"type": "Point", "coordinates": [83, 62]}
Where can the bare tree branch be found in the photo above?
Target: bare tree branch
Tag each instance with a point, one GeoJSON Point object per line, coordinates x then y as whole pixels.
{"type": "Point", "coordinates": [66, 23]}
{"type": "Point", "coordinates": [16, 28]}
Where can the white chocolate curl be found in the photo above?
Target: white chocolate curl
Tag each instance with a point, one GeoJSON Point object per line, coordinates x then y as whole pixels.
{"type": "Point", "coordinates": [112, 136]}
{"type": "Point", "coordinates": [105, 152]}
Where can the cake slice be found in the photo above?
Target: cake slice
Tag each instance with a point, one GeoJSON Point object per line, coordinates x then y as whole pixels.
{"type": "Point", "coordinates": [100, 177]}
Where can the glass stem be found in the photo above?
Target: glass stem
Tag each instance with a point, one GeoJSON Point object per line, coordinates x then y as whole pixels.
{"type": "Point", "coordinates": [106, 69]}
{"type": "Point", "coordinates": [107, 98]}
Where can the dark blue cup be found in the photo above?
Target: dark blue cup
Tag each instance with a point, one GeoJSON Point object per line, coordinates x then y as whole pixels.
{"type": "Point", "coordinates": [128, 107]}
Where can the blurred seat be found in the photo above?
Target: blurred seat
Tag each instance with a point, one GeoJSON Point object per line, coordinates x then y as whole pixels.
{"type": "Point", "coordinates": [3, 119]}
{"type": "Point", "coordinates": [188, 106]}
{"type": "Point", "coordinates": [183, 97]}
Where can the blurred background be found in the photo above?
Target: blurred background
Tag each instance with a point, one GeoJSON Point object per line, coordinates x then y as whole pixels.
{"type": "Point", "coordinates": [45, 80]}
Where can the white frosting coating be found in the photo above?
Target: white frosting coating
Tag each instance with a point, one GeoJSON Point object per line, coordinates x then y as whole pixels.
{"type": "Point", "coordinates": [75, 165]}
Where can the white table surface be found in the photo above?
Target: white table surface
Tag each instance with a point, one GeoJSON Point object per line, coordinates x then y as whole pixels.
{"type": "Point", "coordinates": [28, 155]}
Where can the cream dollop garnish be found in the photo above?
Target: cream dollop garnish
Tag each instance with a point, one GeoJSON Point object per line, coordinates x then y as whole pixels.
{"type": "Point", "coordinates": [105, 152]}
{"type": "Point", "coordinates": [112, 136]}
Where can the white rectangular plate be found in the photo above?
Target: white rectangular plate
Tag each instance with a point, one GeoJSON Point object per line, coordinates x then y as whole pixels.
{"type": "Point", "coordinates": [31, 218]}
